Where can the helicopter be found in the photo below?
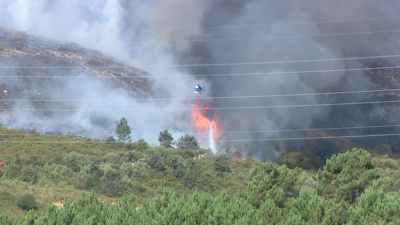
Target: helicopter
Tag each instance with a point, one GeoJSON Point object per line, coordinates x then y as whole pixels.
{"type": "Point", "coordinates": [198, 89]}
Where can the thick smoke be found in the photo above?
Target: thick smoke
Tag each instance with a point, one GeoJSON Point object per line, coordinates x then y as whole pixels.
{"type": "Point", "coordinates": [171, 32]}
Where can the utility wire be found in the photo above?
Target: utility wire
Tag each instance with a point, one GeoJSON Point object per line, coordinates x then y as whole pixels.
{"type": "Point", "coordinates": [278, 24]}
{"type": "Point", "coordinates": [220, 75]}
{"type": "Point", "coordinates": [232, 140]}
{"type": "Point", "coordinates": [210, 64]}
{"type": "Point", "coordinates": [271, 37]}
{"type": "Point", "coordinates": [217, 108]}
{"type": "Point", "coordinates": [239, 132]}
{"type": "Point", "coordinates": [205, 98]}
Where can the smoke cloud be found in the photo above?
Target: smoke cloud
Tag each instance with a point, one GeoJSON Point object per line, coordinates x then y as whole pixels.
{"type": "Point", "coordinates": [179, 32]}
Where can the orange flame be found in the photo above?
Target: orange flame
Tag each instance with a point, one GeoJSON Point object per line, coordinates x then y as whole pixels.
{"type": "Point", "coordinates": [202, 124]}
{"type": "Point", "coordinates": [235, 159]}
{"type": "Point", "coordinates": [244, 159]}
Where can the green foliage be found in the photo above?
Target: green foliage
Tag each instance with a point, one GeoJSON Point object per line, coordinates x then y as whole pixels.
{"type": "Point", "coordinates": [274, 182]}
{"type": "Point", "coordinates": [375, 205]}
{"type": "Point", "coordinates": [95, 170]}
{"type": "Point", "coordinates": [26, 202]}
{"type": "Point", "coordinates": [346, 176]}
{"type": "Point", "coordinates": [113, 185]}
{"type": "Point", "coordinates": [165, 139]}
{"type": "Point", "coordinates": [110, 140]}
{"type": "Point", "coordinates": [187, 142]}
{"type": "Point", "coordinates": [73, 165]}
{"type": "Point", "coordinates": [29, 174]}
{"type": "Point", "coordinates": [13, 170]}
{"type": "Point", "coordinates": [141, 145]}
{"type": "Point", "coordinates": [32, 160]}
{"type": "Point", "coordinates": [156, 163]}
{"type": "Point", "coordinates": [91, 183]}
{"type": "Point", "coordinates": [123, 131]}
{"type": "Point", "coordinates": [221, 165]}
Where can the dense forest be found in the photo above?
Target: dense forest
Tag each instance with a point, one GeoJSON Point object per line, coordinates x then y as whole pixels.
{"type": "Point", "coordinates": [95, 182]}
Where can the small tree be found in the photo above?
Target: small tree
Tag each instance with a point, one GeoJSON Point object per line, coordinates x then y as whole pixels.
{"type": "Point", "coordinates": [26, 202]}
{"type": "Point", "coordinates": [123, 130]}
{"type": "Point", "coordinates": [110, 140]}
{"type": "Point", "coordinates": [165, 139]}
{"type": "Point", "coordinates": [187, 142]}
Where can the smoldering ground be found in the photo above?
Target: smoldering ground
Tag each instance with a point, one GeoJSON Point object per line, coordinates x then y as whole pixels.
{"type": "Point", "coordinates": [172, 32]}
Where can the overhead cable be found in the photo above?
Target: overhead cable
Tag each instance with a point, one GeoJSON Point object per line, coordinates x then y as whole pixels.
{"type": "Point", "coordinates": [232, 140]}
{"type": "Point", "coordinates": [210, 64]}
{"type": "Point", "coordinates": [214, 75]}
{"type": "Point", "coordinates": [205, 98]}
{"type": "Point", "coordinates": [236, 132]}
{"type": "Point", "coordinates": [215, 108]}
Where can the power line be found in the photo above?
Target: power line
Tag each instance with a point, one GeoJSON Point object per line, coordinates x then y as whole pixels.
{"type": "Point", "coordinates": [210, 64]}
{"type": "Point", "coordinates": [204, 98]}
{"type": "Point", "coordinates": [221, 75]}
{"type": "Point", "coordinates": [272, 37]}
{"type": "Point", "coordinates": [217, 108]}
{"type": "Point", "coordinates": [232, 140]}
{"type": "Point", "coordinates": [238, 132]}
{"type": "Point", "coordinates": [278, 24]}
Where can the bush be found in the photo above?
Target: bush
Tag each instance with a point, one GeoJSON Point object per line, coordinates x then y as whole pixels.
{"type": "Point", "coordinates": [26, 202]}
{"type": "Point", "coordinates": [29, 174]}
{"type": "Point", "coordinates": [187, 142]}
{"type": "Point", "coordinates": [346, 176]}
{"type": "Point", "coordinates": [156, 163]}
{"type": "Point", "coordinates": [13, 170]}
{"type": "Point", "coordinates": [113, 185]}
{"type": "Point", "coordinates": [91, 183]}
{"type": "Point", "coordinates": [73, 165]}
{"type": "Point", "coordinates": [95, 170]}
{"type": "Point", "coordinates": [271, 181]}
{"type": "Point", "coordinates": [222, 165]}
{"type": "Point", "coordinates": [110, 140]}
{"type": "Point", "coordinates": [1, 173]}
{"type": "Point", "coordinates": [32, 160]}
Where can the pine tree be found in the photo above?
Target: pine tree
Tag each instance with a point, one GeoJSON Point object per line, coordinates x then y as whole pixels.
{"type": "Point", "coordinates": [123, 131]}
{"type": "Point", "coordinates": [165, 139]}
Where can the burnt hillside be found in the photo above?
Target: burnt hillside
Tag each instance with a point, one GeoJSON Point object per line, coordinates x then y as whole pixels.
{"type": "Point", "coordinates": [70, 60]}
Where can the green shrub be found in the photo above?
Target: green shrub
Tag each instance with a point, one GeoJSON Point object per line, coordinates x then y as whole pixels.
{"type": "Point", "coordinates": [73, 165]}
{"type": "Point", "coordinates": [141, 145]}
{"type": "Point", "coordinates": [221, 165]}
{"type": "Point", "coordinates": [346, 176]}
{"type": "Point", "coordinates": [271, 181]}
{"type": "Point", "coordinates": [110, 140]}
{"type": "Point", "coordinates": [13, 170]}
{"type": "Point", "coordinates": [156, 163]}
{"type": "Point", "coordinates": [91, 183]}
{"type": "Point", "coordinates": [26, 202]}
{"type": "Point", "coordinates": [1, 172]}
{"type": "Point", "coordinates": [187, 142]}
{"type": "Point", "coordinates": [32, 160]}
{"type": "Point", "coordinates": [29, 174]}
{"type": "Point", "coordinates": [95, 170]}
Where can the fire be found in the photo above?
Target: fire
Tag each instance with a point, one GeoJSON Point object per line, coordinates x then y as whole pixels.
{"type": "Point", "coordinates": [202, 123]}
{"type": "Point", "coordinates": [244, 159]}
{"type": "Point", "coordinates": [235, 159]}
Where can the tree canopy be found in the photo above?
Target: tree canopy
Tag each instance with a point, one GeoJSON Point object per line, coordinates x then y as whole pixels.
{"type": "Point", "coordinates": [123, 131]}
